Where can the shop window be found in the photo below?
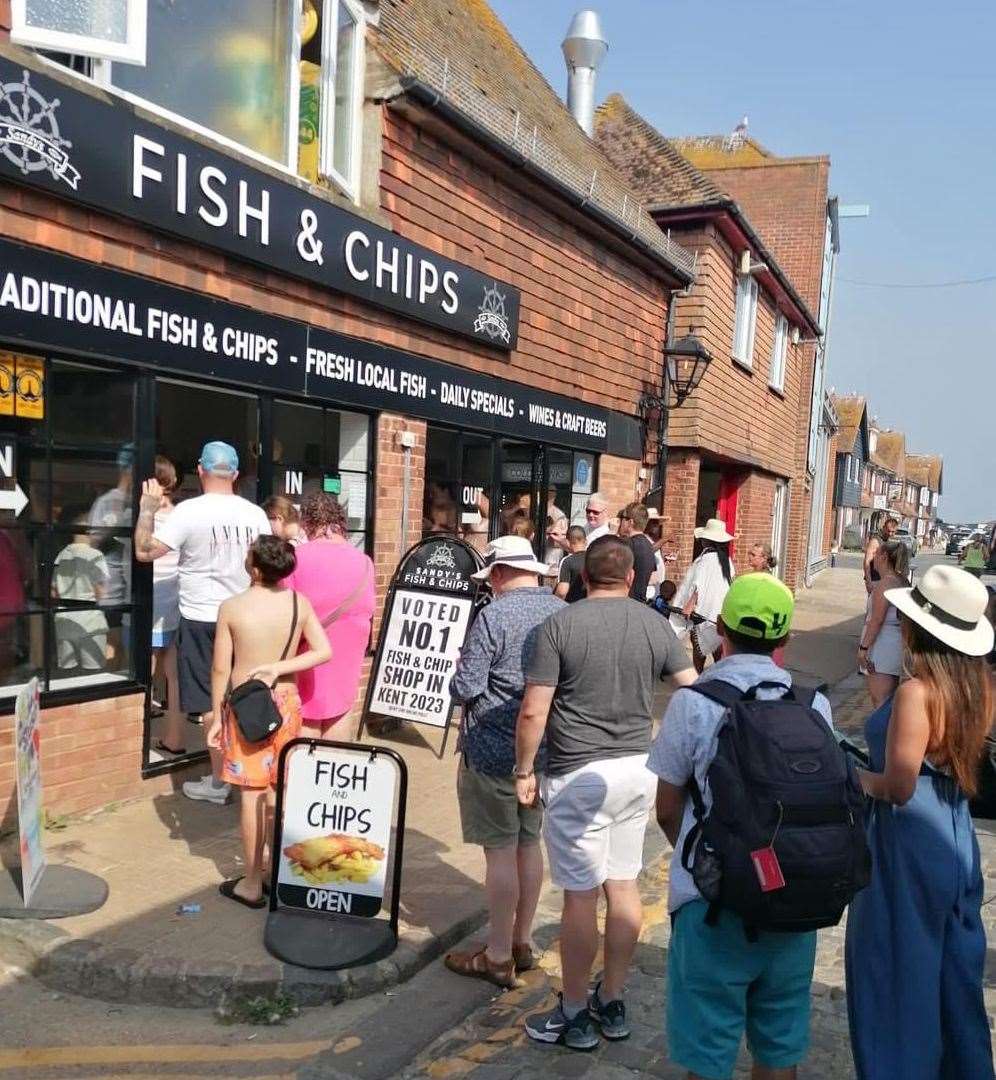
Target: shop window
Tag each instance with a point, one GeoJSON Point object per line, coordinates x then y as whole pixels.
{"type": "Point", "coordinates": [319, 449]}
{"type": "Point", "coordinates": [66, 599]}
{"type": "Point", "coordinates": [110, 29]}
{"type": "Point", "coordinates": [776, 378]}
{"type": "Point", "coordinates": [746, 320]}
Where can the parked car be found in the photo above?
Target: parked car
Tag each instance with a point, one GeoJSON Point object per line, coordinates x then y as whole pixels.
{"type": "Point", "coordinates": [907, 538]}
{"type": "Point", "coordinates": [955, 542]}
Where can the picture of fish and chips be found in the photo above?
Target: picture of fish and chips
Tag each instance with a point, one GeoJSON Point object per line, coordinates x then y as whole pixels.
{"type": "Point", "coordinates": [324, 860]}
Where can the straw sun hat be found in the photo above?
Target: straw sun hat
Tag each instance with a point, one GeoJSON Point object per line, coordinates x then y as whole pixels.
{"type": "Point", "coordinates": [515, 551]}
{"type": "Point", "coordinates": [950, 604]}
{"type": "Point", "coordinates": [715, 530]}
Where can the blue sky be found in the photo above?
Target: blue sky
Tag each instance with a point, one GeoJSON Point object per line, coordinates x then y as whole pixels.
{"type": "Point", "coordinates": [902, 96]}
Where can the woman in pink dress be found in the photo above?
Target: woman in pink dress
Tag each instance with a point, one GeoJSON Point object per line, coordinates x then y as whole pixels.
{"type": "Point", "coordinates": [338, 579]}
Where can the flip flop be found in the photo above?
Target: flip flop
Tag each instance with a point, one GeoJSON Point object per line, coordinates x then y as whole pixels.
{"type": "Point", "coordinates": [164, 749]}
{"type": "Point", "coordinates": [227, 888]}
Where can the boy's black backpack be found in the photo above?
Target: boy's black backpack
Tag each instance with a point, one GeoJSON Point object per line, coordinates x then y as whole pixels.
{"type": "Point", "coordinates": [778, 780]}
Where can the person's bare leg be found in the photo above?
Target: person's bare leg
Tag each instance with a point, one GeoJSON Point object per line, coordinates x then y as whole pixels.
{"type": "Point", "coordinates": [269, 816]}
{"type": "Point", "coordinates": [217, 756]}
{"type": "Point", "coordinates": [881, 687]}
{"type": "Point", "coordinates": [173, 722]}
{"type": "Point", "coordinates": [578, 942]}
{"type": "Point", "coordinates": [252, 821]}
{"type": "Point", "coordinates": [529, 858]}
{"type": "Point", "coordinates": [501, 883]}
{"type": "Point", "coordinates": [623, 920]}
{"type": "Point", "coordinates": [762, 1072]}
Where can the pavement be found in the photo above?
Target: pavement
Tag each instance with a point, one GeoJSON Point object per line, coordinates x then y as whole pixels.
{"type": "Point", "coordinates": [111, 972]}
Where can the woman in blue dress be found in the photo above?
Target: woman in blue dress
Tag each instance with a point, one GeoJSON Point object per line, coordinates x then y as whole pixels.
{"type": "Point", "coordinates": [916, 946]}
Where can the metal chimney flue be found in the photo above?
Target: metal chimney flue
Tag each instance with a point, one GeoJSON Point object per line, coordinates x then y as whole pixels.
{"type": "Point", "coordinates": [584, 49]}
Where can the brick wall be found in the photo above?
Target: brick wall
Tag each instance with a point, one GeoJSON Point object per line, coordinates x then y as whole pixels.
{"type": "Point", "coordinates": [786, 202]}
{"type": "Point", "coordinates": [592, 322]}
{"type": "Point", "coordinates": [679, 506]}
{"type": "Point", "coordinates": [91, 755]}
{"type": "Point", "coordinates": [755, 506]}
{"type": "Point", "coordinates": [618, 481]}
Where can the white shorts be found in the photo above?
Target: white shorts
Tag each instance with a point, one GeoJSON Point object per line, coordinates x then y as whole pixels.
{"type": "Point", "coordinates": [595, 821]}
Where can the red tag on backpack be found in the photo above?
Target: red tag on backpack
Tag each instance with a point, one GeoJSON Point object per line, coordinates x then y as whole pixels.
{"type": "Point", "coordinates": [769, 872]}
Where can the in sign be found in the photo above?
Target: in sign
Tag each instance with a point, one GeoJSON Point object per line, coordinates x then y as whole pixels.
{"type": "Point", "coordinates": [10, 499]}
{"type": "Point", "coordinates": [8, 459]}
{"type": "Point", "coordinates": [293, 482]}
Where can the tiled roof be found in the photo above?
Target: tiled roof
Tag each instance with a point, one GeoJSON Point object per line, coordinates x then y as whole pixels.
{"type": "Point", "coordinates": [659, 174]}
{"type": "Point", "coordinates": [464, 51]}
{"type": "Point", "coordinates": [890, 451]}
{"type": "Point", "coordinates": [731, 152]}
{"type": "Point", "coordinates": [849, 412]}
{"type": "Point", "coordinates": [931, 466]}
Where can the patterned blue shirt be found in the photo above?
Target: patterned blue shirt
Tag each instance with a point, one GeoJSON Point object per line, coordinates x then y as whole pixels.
{"type": "Point", "coordinates": [489, 679]}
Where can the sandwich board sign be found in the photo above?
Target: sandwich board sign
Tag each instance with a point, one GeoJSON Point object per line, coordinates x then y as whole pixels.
{"type": "Point", "coordinates": [430, 606]}
{"type": "Point", "coordinates": [338, 842]}
{"type": "Point", "coordinates": [30, 815]}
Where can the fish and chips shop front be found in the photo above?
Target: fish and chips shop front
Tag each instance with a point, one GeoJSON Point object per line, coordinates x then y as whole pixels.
{"type": "Point", "coordinates": [160, 288]}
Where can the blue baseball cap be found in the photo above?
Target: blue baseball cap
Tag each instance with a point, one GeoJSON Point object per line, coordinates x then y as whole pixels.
{"type": "Point", "coordinates": [219, 457]}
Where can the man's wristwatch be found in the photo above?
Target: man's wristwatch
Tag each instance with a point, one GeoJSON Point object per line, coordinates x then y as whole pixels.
{"type": "Point", "coordinates": [522, 774]}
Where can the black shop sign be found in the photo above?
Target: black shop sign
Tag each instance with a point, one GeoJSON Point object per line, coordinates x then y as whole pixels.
{"type": "Point", "coordinates": [99, 153]}
{"type": "Point", "coordinates": [430, 606]}
{"type": "Point", "coordinates": [60, 302]}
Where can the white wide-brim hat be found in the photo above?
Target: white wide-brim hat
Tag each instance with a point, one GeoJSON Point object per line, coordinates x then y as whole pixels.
{"type": "Point", "coordinates": [950, 604]}
{"type": "Point", "coordinates": [513, 551]}
{"type": "Point", "coordinates": [715, 530]}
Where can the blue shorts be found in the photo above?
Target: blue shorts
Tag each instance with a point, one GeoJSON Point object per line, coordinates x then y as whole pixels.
{"type": "Point", "coordinates": [720, 985]}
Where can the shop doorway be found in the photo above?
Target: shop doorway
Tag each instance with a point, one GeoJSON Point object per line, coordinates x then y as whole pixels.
{"type": "Point", "coordinates": [187, 416]}
{"type": "Point", "coordinates": [521, 475]}
{"type": "Point", "coordinates": [718, 496]}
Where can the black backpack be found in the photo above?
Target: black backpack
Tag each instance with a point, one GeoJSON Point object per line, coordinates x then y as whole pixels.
{"type": "Point", "coordinates": [778, 780]}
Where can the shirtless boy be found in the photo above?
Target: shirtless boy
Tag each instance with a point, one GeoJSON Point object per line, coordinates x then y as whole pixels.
{"type": "Point", "coordinates": [254, 629]}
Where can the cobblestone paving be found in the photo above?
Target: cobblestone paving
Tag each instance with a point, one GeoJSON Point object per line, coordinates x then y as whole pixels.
{"type": "Point", "coordinates": [491, 1044]}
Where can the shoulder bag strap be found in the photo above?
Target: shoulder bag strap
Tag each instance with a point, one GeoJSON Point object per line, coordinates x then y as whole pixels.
{"type": "Point", "coordinates": [290, 636]}
{"type": "Point", "coordinates": [350, 600]}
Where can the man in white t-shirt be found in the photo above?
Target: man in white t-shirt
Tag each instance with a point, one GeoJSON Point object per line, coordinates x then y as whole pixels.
{"type": "Point", "coordinates": [212, 535]}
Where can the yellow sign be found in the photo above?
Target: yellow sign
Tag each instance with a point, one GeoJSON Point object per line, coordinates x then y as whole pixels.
{"type": "Point", "coordinates": [6, 384]}
{"type": "Point", "coordinates": [29, 387]}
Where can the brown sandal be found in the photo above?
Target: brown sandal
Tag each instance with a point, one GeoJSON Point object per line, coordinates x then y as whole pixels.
{"type": "Point", "coordinates": [523, 956]}
{"type": "Point", "coordinates": [476, 965]}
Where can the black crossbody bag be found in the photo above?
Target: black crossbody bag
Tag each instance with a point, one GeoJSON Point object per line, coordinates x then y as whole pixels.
{"type": "Point", "coordinates": [256, 713]}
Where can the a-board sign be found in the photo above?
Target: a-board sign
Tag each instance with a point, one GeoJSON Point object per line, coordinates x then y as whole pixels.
{"type": "Point", "coordinates": [29, 790]}
{"type": "Point", "coordinates": [336, 830]}
{"type": "Point", "coordinates": [338, 840]}
{"type": "Point", "coordinates": [429, 609]}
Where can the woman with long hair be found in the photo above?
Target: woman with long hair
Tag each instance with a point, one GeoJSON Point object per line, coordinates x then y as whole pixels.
{"type": "Point", "coordinates": [880, 651]}
{"type": "Point", "coordinates": [338, 579]}
{"type": "Point", "coordinates": [704, 589]}
{"type": "Point", "coordinates": [284, 518]}
{"type": "Point", "coordinates": [761, 559]}
{"type": "Point", "coordinates": [916, 947]}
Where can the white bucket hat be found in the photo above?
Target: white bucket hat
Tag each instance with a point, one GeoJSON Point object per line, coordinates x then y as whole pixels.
{"type": "Point", "coordinates": [510, 551]}
{"type": "Point", "coordinates": [715, 530]}
{"type": "Point", "coordinates": [950, 604]}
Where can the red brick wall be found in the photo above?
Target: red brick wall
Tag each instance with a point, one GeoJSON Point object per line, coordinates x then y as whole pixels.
{"type": "Point", "coordinates": [592, 323]}
{"type": "Point", "coordinates": [618, 481]}
{"type": "Point", "coordinates": [755, 503]}
{"type": "Point", "coordinates": [680, 500]}
{"type": "Point", "coordinates": [786, 203]}
{"type": "Point", "coordinates": [91, 755]}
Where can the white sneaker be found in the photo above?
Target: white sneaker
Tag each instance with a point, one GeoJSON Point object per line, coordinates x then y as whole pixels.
{"type": "Point", "coordinates": [206, 790]}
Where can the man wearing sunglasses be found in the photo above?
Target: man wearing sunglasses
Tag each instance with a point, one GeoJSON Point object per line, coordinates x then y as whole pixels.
{"type": "Point", "coordinates": [596, 515]}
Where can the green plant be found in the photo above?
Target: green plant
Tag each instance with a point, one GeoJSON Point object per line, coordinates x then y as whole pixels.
{"type": "Point", "coordinates": [263, 1010]}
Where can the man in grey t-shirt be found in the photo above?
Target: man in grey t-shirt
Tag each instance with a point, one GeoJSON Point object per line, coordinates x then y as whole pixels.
{"type": "Point", "coordinates": [590, 688]}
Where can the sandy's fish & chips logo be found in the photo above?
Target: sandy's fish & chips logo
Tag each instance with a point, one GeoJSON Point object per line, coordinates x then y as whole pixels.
{"type": "Point", "coordinates": [29, 133]}
{"type": "Point", "coordinates": [492, 320]}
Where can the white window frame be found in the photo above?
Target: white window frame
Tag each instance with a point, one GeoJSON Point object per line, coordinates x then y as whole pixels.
{"type": "Point", "coordinates": [779, 526]}
{"type": "Point", "coordinates": [745, 320]}
{"type": "Point", "coordinates": [326, 105]}
{"type": "Point", "coordinates": [131, 51]}
{"type": "Point", "coordinates": [779, 354]}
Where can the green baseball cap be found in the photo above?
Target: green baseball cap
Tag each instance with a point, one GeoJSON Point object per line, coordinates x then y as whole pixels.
{"type": "Point", "coordinates": [758, 606]}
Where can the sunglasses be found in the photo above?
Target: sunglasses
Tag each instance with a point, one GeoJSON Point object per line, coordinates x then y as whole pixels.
{"type": "Point", "coordinates": [592, 510]}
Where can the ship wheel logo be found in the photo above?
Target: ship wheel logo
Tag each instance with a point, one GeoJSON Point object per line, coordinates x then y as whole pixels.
{"type": "Point", "coordinates": [442, 557]}
{"type": "Point", "coordinates": [29, 133]}
{"type": "Point", "coordinates": [493, 320]}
